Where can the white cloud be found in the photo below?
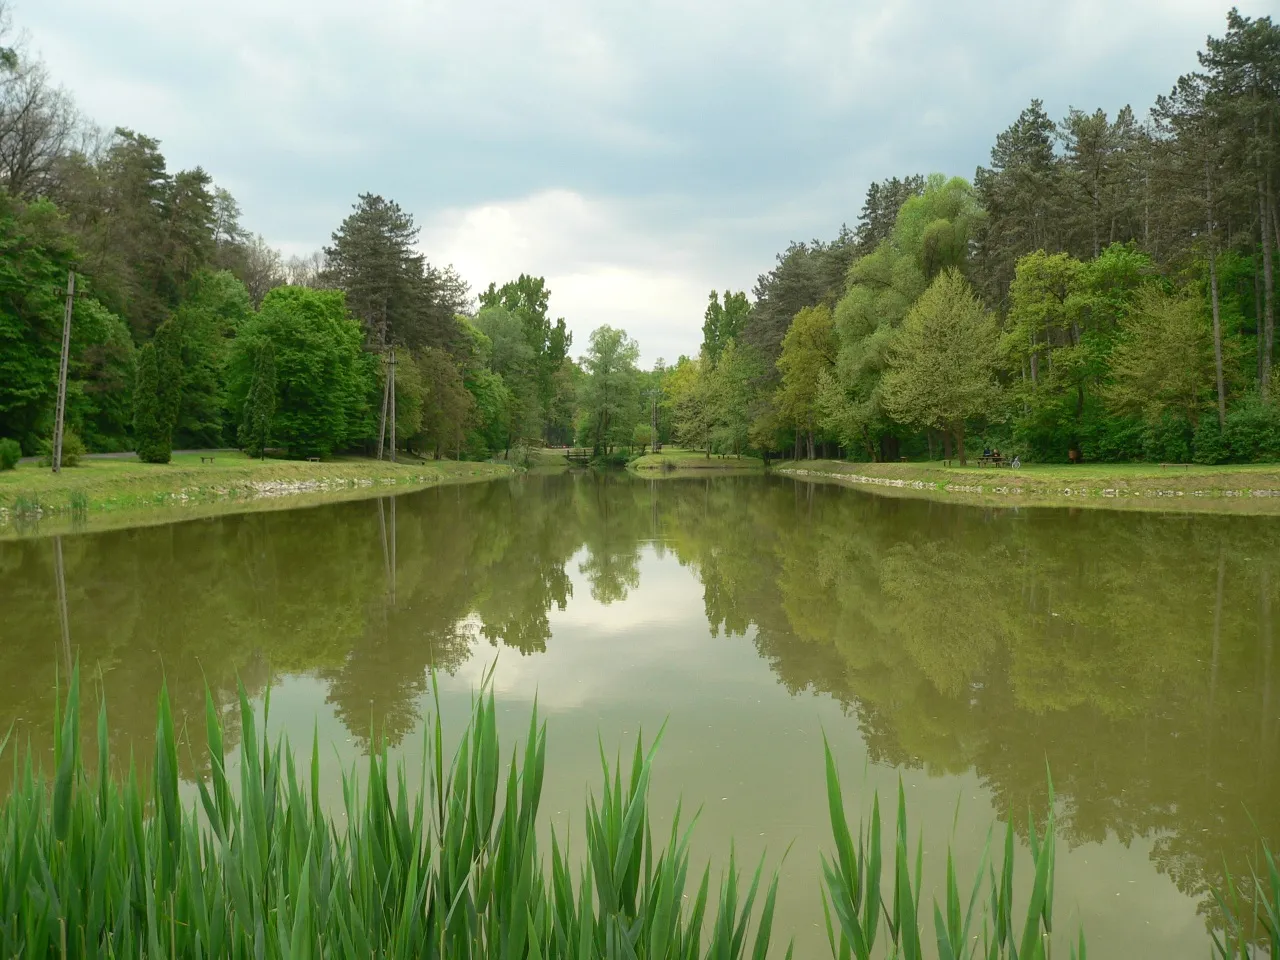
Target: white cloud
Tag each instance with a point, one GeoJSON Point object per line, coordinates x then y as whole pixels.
{"type": "Point", "coordinates": [601, 265]}
{"type": "Point", "coordinates": [635, 154]}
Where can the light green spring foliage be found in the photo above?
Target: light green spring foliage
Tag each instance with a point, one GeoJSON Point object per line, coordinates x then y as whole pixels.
{"type": "Point", "coordinates": [808, 351]}
{"type": "Point", "coordinates": [934, 228]}
{"type": "Point", "coordinates": [942, 366]}
{"type": "Point", "coordinates": [1163, 361]}
{"type": "Point", "coordinates": [95, 866]}
{"type": "Point", "coordinates": [931, 232]}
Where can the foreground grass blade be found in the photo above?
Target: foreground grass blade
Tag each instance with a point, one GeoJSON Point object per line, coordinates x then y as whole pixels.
{"type": "Point", "coordinates": [96, 865]}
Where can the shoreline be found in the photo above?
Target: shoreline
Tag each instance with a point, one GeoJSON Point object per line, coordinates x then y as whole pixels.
{"type": "Point", "coordinates": [679, 460]}
{"type": "Point", "coordinates": [34, 502]}
{"type": "Point", "coordinates": [1237, 489]}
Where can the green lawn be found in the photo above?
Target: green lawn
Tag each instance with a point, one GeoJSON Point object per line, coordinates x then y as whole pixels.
{"type": "Point", "coordinates": [679, 458]}
{"type": "Point", "coordinates": [127, 483]}
{"type": "Point", "coordinates": [1251, 488]}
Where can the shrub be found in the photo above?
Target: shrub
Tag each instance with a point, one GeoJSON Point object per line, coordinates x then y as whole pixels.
{"type": "Point", "coordinates": [72, 449]}
{"type": "Point", "coordinates": [1210, 442]}
{"type": "Point", "coordinates": [1253, 431]}
{"type": "Point", "coordinates": [10, 453]}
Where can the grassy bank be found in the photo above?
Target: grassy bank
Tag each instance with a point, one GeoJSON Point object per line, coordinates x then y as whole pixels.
{"type": "Point", "coordinates": [1235, 488]}
{"type": "Point", "coordinates": [677, 458]}
{"type": "Point", "coordinates": [127, 485]}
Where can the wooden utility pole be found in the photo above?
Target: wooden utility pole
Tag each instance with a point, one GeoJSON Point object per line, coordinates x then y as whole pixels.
{"type": "Point", "coordinates": [62, 374]}
{"type": "Point", "coordinates": [391, 392]}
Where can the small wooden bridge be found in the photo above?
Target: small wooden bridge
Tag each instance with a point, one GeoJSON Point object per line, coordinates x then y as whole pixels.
{"type": "Point", "coordinates": [580, 456]}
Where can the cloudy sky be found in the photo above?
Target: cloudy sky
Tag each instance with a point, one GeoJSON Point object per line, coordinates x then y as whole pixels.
{"type": "Point", "coordinates": [635, 154]}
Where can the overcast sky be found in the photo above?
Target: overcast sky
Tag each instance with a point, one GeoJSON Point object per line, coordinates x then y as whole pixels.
{"type": "Point", "coordinates": [635, 154]}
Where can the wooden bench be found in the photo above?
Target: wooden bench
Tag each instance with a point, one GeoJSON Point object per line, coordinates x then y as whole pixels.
{"type": "Point", "coordinates": [206, 459]}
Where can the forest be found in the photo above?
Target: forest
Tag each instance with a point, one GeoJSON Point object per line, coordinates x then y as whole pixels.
{"type": "Point", "coordinates": [1103, 290]}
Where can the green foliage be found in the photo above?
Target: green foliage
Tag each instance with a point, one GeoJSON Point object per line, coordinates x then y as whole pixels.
{"type": "Point", "coordinates": [152, 429]}
{"type": "Point", "coordinates": [72, 449]}
{"type": "Point", "coordinates": [448, 409]}
{"type": "Point", "coordinates": [1162, 364]}
{"type": "Point", "coordinates": [10, 453]}
{"type": "Point", "coordinates": [324, 380]}
{"type": "Point", "coordinates": [397, 296]}
{"type": "Point", "coordinates": [35, 253]}
{"type": "Point", "coordinates": [527, 298]}
{"type": "Point", "coordinates": [808, 352]}
{"type": "Point", "coordinates": [513, 359]}
{"type": "Point", "coordinates": [723, 322]}
{"type": "Point", "coordinates": [610, 394]}
{"type": "Point", "coordinates": [259, 411]}
{"type": "Point", "coordinates": [1253, 431]}
{"type": "Point", "coordinates": [934, 228]}
{"type": "Point", "coordinates": [101, 375]}
{"type": "Point", "coordinates": [943, 361]}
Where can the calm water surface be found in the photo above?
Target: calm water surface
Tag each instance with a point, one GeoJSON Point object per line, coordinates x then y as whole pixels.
{"type": "Point", "coordinates": [956, 648]}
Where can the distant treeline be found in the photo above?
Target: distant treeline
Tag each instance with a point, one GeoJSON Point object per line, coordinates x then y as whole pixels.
{"type": "Point", "coordinates": [1103, 290]}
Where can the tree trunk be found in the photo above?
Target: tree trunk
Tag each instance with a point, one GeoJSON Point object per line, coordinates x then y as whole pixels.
{"type": "Point", "coordinates": [810, 444]}
{"type": "Point", "coordinates": [960, 442]}
{"type": "Point", "coordinates": [1213, 297]}
{"type": "Point", "coordinates": [1268, 294]}
{"type": "Point", "coordinates": [946, 444]}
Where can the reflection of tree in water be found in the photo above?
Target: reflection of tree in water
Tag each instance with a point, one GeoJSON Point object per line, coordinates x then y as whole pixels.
{"type": "Point", "coordinates": [1133, 652]}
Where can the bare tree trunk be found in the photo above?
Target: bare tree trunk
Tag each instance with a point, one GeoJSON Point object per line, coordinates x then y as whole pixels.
{"type": "Point", "coordinates": [946, 444]}
{"type": "Point", "coordinates": [960, 442]}
{"type": "Point", "coordinates": [1213, 296]}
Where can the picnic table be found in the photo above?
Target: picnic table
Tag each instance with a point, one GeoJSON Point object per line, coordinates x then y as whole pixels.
{"type": "Point", "coordinates": [206, 459]}
{"type": "Point", "coordinates": [991, 460]}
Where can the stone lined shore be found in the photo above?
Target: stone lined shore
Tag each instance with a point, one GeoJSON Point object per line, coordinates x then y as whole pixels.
{"type": "Point", "coordinates": [1205, 489]}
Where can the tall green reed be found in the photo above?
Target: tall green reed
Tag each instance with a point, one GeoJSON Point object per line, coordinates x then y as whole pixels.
{"type": "Point", "coordinates": [1251, 913]}
{"type": "Point", "coordinates": [98, 865]}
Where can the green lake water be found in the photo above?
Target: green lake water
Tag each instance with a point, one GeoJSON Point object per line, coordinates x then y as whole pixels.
{"type": "Point", "coordinates": [961, 650]}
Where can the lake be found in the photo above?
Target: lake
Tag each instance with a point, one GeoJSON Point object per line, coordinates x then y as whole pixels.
{"type": "Point", "coordinates": [966, 651]}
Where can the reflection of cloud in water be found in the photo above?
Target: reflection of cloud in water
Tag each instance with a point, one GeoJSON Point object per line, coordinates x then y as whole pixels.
{"type": "Point", "coordinates": [617, 651]}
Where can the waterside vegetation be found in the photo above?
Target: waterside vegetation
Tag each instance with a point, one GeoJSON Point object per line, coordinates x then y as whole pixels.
{"type": "Point", "coordinates": [97, 865]}
{"type": "Point", "coordinates": [223, 476]}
